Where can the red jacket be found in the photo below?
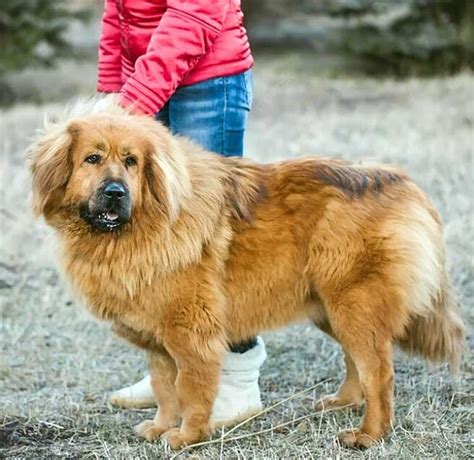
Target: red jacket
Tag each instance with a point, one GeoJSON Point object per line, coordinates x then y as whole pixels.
{"type": "Point", "coordinates": [150, 47]}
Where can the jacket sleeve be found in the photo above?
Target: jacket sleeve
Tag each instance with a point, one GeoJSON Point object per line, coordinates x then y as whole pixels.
{"type": "Point", "coordinates": [109, 75]}
{"type": "Point", "coordinates": [184, 35]}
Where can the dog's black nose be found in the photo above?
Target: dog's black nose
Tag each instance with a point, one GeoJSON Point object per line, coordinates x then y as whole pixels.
{"type": "Point", "coordinates": [114, 190]}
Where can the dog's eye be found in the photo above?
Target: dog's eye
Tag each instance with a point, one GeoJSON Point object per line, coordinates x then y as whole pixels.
{"type": "Point", "coordinates": [130, 161]}
{"type": "Point", "coordinates": [93, 159]}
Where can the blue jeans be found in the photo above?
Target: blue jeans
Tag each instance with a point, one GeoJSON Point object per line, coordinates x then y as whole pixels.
{"type": "Point", "coordinates": [213, 113]}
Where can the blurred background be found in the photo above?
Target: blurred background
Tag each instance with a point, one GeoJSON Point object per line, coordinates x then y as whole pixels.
{"type": "Point", "coordinates": [386, 81]}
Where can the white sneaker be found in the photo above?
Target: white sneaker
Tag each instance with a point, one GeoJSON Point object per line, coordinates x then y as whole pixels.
{"type": "Point", "coordinates": [137, 396]}
{"type": "Point", "coordinates": [238, 397]}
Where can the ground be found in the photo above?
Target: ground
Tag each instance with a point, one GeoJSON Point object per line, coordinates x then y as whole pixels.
{"type": "Point", "coordinates": [58, 364]}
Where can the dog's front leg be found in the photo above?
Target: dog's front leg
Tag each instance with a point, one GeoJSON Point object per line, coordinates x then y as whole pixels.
{"type": "Point", "coordinates": [198, 359]}
{"type": "Point", "coordinates": [163, 374]}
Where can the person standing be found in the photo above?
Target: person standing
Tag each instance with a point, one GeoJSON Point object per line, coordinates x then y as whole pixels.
{"type": "Point", "coordinates": [188, 64]}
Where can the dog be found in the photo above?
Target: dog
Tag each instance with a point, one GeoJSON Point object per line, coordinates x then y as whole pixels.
{"type": "Point", "coordinates": [184, 252]}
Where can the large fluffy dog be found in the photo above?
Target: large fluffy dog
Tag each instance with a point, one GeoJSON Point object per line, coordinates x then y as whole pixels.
{"type": "Point", "coordinates": [184, 252]}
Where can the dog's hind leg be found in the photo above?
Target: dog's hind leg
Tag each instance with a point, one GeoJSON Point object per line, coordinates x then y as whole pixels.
{"type": "Point", "coordinates": [163, 373]}
{"type": "Point", "coordinates": [359, 321]}
{"type": "Point", "coordinates": [350, 392]}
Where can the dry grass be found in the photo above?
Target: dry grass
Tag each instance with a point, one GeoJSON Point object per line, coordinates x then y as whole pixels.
{"type": "Point", "coordinates": [58, 364]}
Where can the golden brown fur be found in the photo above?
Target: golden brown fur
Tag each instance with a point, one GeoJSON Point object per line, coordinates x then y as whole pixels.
{"type": "Point", "coordinates": [218, 250]}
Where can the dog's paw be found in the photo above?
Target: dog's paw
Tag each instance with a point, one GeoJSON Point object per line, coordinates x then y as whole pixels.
{"type": "Point", "coordinates": [356, 439]}
{"type": "Point", "coordinates": [175, 439]}
{"type": "Point", "coordinates": [334, 402]}
{"type": "Point", "coordinates": [149, 430]}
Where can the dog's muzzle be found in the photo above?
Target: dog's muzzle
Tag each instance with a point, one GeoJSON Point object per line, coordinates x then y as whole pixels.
{"type": "Point", "coordinates": [109, 208]}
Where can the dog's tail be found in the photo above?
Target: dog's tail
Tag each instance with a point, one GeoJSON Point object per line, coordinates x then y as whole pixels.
{"type": "Point", "coordinates": [438, 335]}
{"type": "Point", "coordinates": [433, 326]}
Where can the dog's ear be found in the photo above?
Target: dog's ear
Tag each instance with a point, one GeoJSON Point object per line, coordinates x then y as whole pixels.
{"type": "Point", "coordinates": [50, 164]}
{"type": "Point", "coordinates": [167, 175]}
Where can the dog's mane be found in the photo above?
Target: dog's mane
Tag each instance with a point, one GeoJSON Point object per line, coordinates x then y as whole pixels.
{"type": "Point", "coordinates": [246, 187]}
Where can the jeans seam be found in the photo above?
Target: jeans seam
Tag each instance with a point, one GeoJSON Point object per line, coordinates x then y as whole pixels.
{"type": "Point", "coordinates": [246, 83]}
{"type": "Point", "coordinates": [224, 121]}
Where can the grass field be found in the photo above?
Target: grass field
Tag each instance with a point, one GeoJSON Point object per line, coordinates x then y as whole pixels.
{"type": "Point", "coordinates": [58, 364]}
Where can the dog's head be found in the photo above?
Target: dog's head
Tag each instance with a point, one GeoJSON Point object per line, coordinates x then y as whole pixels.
{"type": "Point", "coordinates": [100, 169]}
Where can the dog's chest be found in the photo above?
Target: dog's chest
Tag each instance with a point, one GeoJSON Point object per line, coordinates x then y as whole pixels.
{"type": "Point", "coordinates": [139, 299]}
{"type": "Point", "coordinates": [108, 291]}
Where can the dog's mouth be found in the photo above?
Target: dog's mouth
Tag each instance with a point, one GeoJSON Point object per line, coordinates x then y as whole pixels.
{"type": "Point", "coordinates": [109, 220]}
{"type": "Point", "coordinates": [105, 221]}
